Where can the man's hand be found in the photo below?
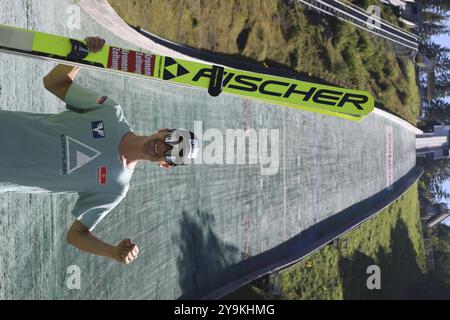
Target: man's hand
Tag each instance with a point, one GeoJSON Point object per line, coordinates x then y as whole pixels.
{"type": "Point", "coordinates": [94, 44]}
{"type": "Point", "coordinates": [126, 251]}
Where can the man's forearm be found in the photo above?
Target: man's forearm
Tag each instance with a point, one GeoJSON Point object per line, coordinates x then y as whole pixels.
{"type": "Point", "coordinates": [87, 242]}
{"type": "Point", "coordinates": [62, 73]}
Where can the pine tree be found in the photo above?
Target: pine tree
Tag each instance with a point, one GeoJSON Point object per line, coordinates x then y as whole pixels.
{"type": "Point", "coordinates": [437, 110]}
{"type": "Point", "coordinates": [433, 16]}
{"type": "Point", "coordinates": [445, 6]}
{"type": "Point", "coordinates": [442, 84]}
{"type": "Point", "coordinates": [436, 5]}
{"type": "Point", "coordinates": [433, 28]}
{"type": "Point", "coordinates": [442, 65]}
{"type": "Point", "coordinates": [435, 174]}
{"type": "Point", "coordinates": [433, 50]}
{"type": "Point", "coordinates": [441, 250]}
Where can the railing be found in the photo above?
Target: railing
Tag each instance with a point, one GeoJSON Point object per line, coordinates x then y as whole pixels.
{"type": "Point", "coordinates": [358, 17]}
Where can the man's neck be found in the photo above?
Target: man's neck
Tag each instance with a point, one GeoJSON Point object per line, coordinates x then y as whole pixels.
{"type": "Point", "coordinates": [131, 150]}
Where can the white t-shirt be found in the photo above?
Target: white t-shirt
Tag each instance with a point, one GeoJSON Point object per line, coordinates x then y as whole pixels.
{"type": "Point", "coordinates": [72, 151]}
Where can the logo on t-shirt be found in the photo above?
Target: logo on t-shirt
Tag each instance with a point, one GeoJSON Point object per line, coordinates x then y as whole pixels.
{"type": "Point", "coordinates": [101, 175]}
{"type": "Point", "coordinates": [98, 130]}
{"type": "Point", "coordinates": [76, 154]}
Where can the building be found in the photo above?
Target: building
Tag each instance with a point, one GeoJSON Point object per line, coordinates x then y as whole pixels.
{"type": "Point", "coordinates": [438, 219]}
{"type": "Point", "coordinates": [432, 210]}
{"type": "Point", "coordinates": [433, 214]}
{"type": "Point", "coordinates": [434, 145]}
{"type": "Point", "coordinates": [408, 11]}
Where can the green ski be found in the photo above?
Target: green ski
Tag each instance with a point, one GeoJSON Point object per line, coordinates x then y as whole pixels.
{"type": "Point", "coordinates": [324, 99]}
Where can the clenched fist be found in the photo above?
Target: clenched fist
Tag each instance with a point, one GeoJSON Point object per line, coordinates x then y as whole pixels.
{"type": "Point", "coordinates": [94, 44]}
{"type": "Point", "coordinates": [126, 251]}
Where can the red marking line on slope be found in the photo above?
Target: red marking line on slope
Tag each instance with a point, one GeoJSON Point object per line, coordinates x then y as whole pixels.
{"type": "Point", "coordinates": [247, 239]}
{"type": "Point", "coordinates": [245, 114]}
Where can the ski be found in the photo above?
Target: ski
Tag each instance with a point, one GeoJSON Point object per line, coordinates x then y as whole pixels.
{"type": "Point", "coordinates": [329, 100]}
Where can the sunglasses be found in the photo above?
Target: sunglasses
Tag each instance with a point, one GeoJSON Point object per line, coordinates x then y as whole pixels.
{"type": "Point", "coordinates": [177, 139]}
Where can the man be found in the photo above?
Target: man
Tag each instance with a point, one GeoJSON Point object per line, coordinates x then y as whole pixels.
{"type": "Point", "coordinates": [88, 149]}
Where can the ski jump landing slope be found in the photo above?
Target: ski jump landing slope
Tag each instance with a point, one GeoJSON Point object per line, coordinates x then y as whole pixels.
{"type": "Point", "coordinates": [199, 227]}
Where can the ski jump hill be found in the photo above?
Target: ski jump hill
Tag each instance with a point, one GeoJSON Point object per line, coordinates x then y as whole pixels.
{"type": "Point", "coordinates": [205, 229]}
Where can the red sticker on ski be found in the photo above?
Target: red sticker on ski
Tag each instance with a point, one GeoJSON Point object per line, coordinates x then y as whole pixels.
{"type": "Point", "coordinates": [131, 61]}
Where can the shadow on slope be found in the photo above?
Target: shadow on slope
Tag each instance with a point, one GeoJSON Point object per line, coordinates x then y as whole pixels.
{"type": "Point", "coordinates": [400, 273]}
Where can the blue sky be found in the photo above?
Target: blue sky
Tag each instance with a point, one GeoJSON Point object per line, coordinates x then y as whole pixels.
{"type": "Point", "coordinates": [445, 40]}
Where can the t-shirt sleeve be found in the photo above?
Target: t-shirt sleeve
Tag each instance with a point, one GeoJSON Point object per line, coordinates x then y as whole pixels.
{"type": "Point", "coordinates": [81, 99]}
{"type": "Point", "coordinates": [91, 208]}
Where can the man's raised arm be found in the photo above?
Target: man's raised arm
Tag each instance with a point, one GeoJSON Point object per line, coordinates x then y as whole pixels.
{"type": "Point", "coordinates": [61, 77]}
